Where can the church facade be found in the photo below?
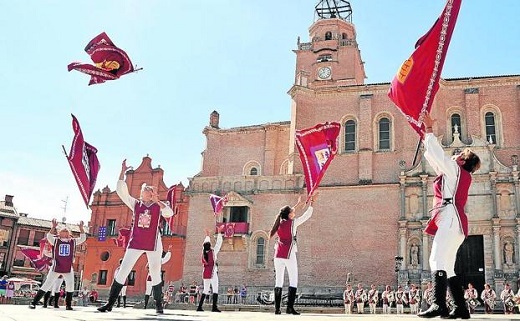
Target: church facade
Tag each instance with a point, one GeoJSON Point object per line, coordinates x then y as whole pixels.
{"type": "Point", "coordinates": [373, 204]}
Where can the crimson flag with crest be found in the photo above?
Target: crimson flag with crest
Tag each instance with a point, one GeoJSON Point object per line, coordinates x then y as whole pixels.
{"type": "Point", "coordinates": [317, 147]}
{"type": "Point", "coordinates": [217, 203]}
{"type": "Point", "coordinates": [414, 87]}
{"type": "Point", "coordinates": [110, 62]}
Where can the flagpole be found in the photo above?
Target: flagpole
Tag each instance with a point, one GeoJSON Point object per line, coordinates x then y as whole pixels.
{"type": "Point", "coordinates": [64, 151]}
{"type": "Point", "coordinates": [416, 151]}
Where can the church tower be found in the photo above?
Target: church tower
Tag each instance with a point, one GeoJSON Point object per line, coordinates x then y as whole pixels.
{"type": "Point", "coordinates": [332, 57]}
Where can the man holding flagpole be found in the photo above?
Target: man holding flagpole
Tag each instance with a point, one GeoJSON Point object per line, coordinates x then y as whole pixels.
{"type": "Point", "coordinates": [145, 237]}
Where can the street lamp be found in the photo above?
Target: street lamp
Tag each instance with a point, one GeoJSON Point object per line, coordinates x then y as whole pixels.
{"type": "Point", "coordinates": [398, 263]}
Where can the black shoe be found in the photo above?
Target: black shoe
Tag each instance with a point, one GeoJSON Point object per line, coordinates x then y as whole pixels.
{"type": "Point", "coordinates": [68, 301]}
{"type": "Point", "coordinates": [201, 302]}
{"type": "Point", "coordinates": [457, 293]}
{"type": "Point", "coordinates": [277, 300]}
{"type": "Point", "coordinates": [290, 302]}
{"type": "Point", "coordinates": [438, 307]}
{"type": "Point", "coordinates": [112, 297]}
{"type": "Point", "coordinates": [215, 301]}
{"type": "Point", "coordinates": [157, 295]}
{"type": "Point", "coordinates": [46, 298]}
{"type": "Point", "coordinates": [36, 299]}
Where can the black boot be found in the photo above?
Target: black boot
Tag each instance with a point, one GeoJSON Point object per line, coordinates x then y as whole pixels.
{"type": "Point", "coordinates": [36, 299]}
{"type": "Point", "coordinates": [118, 301]}
{"type": "Point", "coordinates": [157, 295]}
{"type": "Point", "coordinates": [215, 301]}
{"type": "Point", "coordinates": [290, 302]}
{"type": "Point", "coordinates": [46, 298]}
{"type": "Point", "coordinates": [112, 297]}
{"type": "Point", "coordinates": [277, 300]}
{"type": "Point", "coordinates": [457, 293]}
{"type": "Point", "coordinates": [56, 300]}
{"type": "Point", "coordinates": [438, 307]}
{"type": "Point", "coordinates": [201, 302]}
{"type": "Point", "coordinates": [51, 299]}
{"type": "Point", "coordinates": [124, 301]}
{"type": "Point", "coordinates": [146, 299]}
{"type": "Point", "coordinates": [68, 301]}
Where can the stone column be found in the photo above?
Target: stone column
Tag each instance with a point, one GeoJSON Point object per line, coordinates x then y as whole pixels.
{"type": "Point", "coordinates": [493, 180]}
{"type": "Point", "coordinates": [425, 248]}
{"type": "Point", "coordinates": [496, 243]}
{"type": "Point", "coordinates": [402, 192]}
{"type": "Point", "coordinates": [424, 181]}
{"type": "Point", "coordinates": [402, 245]}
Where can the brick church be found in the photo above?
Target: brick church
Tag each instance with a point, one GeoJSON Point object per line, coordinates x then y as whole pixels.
{"type": "Point", "coordinates": [373, 204]}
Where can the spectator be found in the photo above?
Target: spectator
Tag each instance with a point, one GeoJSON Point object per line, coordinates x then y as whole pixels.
{"type": "Point", "coordinates": [236, 293]}
{"type": "Point", "coordinates": [243, 294]}
{"type": "Point", "coordinates": [229, 295]}
{"type": "Point", "coordinates": [3, 288]}
{"type": "Point", "coordinates": [84, 294]}
{"type": "Point", "coordinates": [9, 293]}
{"type": "Point", "coordinates": [93, 296]}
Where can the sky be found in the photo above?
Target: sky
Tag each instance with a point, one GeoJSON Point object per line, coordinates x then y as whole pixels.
{"type": "Point", "coordinates": [233, 56]}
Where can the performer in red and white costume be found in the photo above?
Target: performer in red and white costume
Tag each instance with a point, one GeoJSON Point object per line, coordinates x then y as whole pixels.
{"type": "Point", "coordinates": [507, 296]}
{"type": "Point", "coordinates": [449, 223]}
{"type": "Point", "coordinates": [471, 296]}
{"type": "Point", "coordinates": [348, 298]}
{"type": "Point", "coordinates": [373, 298]}
{"type": "Point", "coordinates": [361, 298]}
{"type": "Point", "coordinates": [145, 238]}
{"type": "Point", "coordinates": [285, 252]}
{"type": "Point", "coordinates": [165, 258]}
{"type": "Point", "coordinates": [400, 300]}
{"type": "Point", "coordinates": [488, 296]}
{"type": "Point", "coordinates": [414, 299]}
{"type": "Point", "coordinates": [64, 246]}
{"type": "Point", "coordinates": [210, 269]}
{"type": "Point", "coordinates": [388, 297]}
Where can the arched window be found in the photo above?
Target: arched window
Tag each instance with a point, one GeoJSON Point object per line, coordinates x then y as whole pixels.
{"type": "Point", "coordinates": [328, 35]}
{"type": "Point", "coordinates": [384, 134]}
{"type": "Point", "coordinates": [350, 136]}
{"type": "Point", "coordinates": [260, 251]}
{"type": "Point", "coordinates": [344, 36]}
{"type": "Point", "coordinates": [455, 123]}
{"type": "Point", "coordinates": [253, 171]}
{"type": "Point", "coordinates": [491, 135]}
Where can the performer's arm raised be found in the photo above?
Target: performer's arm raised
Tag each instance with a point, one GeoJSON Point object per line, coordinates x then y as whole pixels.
{"type": "Point", "coordinates": [308, 213]}
{"type": "Point", "coordinates": [82, 236]}
{"type": "Point", "coordinates": [434, 153]}
{"type": "Point", "coordinates": [51, 236]}
{"type": "Point", "coordinates": [218, 244]}
{"type": "Point", "coordinates": [122, 188]}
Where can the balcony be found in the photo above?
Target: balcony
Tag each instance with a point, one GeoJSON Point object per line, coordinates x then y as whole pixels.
{"type": "Point", "coordinates": [240, 227]}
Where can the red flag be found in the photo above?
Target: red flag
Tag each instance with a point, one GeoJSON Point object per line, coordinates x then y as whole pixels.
{"type": "Point", "coordinates": [84, 162]}
{"type": "Point", "coordinates": [229, 229]}
{"type": "Point", "coordinates": [317, 147]}
{"type": "Point", "coordinates": [417, 81]}
{"type": "Point", "coordinates": [39, 262]}
{"type": "Point", "coordinates": [110, 61]}
{"type": "Point", "coordinates": [217, 203]}
{"type": "Point", "coordinates": [122, 239]}
{"type": "Point", "coordinates": [170, 199]}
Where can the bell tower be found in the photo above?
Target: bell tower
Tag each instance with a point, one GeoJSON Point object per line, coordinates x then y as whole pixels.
{"type": "Point", "coordinates": [332, 57]}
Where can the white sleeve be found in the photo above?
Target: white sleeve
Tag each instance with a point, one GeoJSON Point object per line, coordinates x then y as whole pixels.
{"type": "Point", "coordinates": [166, 212]}
{"type": "Point", "coordinates": [218, 244]}
{"type": "Point", "coordinates": [51, 238]}
{"type": "Point", "coordinates": [166, 257]}
{"type": "Point", "coordinates": [122, 192]}
{"type": "Point", "coordinates": [82, 238]}
{"type": "Point", "coordinates": [435, 155]}
{"type": "Point", "coordinates": [307, 215]}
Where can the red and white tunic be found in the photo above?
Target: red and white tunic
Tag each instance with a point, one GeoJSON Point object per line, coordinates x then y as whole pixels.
{"type": "Point", "coordinates": [209, 266]}
{"type": "Point", "coordinates": [286, 243]}
{"type": "Point", "coordinates": [63, 255]}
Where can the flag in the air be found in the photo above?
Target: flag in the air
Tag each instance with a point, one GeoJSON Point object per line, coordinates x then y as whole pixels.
{"type": "Point", "coordinates": [110, 62]}
{"type": "Point", "coordinates": [217, 203]}
{"type": "Point", "coordinates": [417, 81]}
{"type": "Point", "coordinates": [84, 162]}
{"type": "Point", "coordinates": [37, 257]}
{"type": "Point", "coordinates": [170, 199]}
{"type": "Point", "coordinates": [317, 147]}
{"type": "Point", "coordinates": [122, 239]}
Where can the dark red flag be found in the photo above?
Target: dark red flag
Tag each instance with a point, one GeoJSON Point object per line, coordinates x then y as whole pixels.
{"type": "Point", "coordinates": [84, 162]}
{"type": "Point", "coordinates": [317, 147]}
{"type": "Point", "coordinates": [217, 203]}
{"type": "Point", "coordinates": [170, 199]}
{"type": "Point", "coordinates": [38, 261]}
{"type": "Point", "coordinates": [122, 239]}
{"type": "Point", "coordinates": [110, 62]}
{"type": "Point", "coordinates": [417, 81]}
{"type": "Point", "coordinates": [229, 229]}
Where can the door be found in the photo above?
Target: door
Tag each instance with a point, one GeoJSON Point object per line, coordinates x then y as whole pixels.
{"type": "Point", "coordinates": [470, 262]}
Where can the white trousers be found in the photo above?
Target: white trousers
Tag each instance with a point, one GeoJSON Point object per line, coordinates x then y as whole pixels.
{"type": "Point", "coordinates": [399, 308]}
{"type": "Point", "coordinates": [148, 290]}
{"type": "Point", "coordinates": [123, 291]}
{"type": "Point", "coordinates": [414, 308]}
{"type": "Point", "coordinates": [291, 264]}
{"type": "Point", "coordinates": [360, 307]}
{"type": "Point", "coordinates": [446, 242]}
{"type": "Point", "coordinates": [53, 276]}
{"type": "Point", "coordinates": [372, 308]}
{"type": "Point", "coordinates": [213, 282]}
{"type": "Point", "coordinates": [348, 310]}
{"type": "Point", "coordinates": [387, 309]}
{"type": "Point", "coordinates": [132, 255]}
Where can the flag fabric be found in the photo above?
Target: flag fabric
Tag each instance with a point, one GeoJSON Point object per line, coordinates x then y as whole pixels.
{"type": "Point", "coordinates": [170, 200]}
{"type": "Point", "coordinates": [102, 233]}
{"type": "Point", "coordinates": [110, 62]}
{"type": "Point", "coordinates": [83, 162]}
{"type": "Point", "coordinates": [414, 87]}
{"type": "Point", "coordinates": [217, 203]}
{"type": "Point", "coordinates": [317, 147]}
{"type": "Point", "coordinates": [37, 260]}
{"type": "Point", "coordinates": [229, 229]}
{"type": "Point", "coordinates": [122, 239]}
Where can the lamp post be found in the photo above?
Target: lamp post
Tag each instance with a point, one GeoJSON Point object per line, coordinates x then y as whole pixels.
{"type": "Point", "coordinates": [398, 263]}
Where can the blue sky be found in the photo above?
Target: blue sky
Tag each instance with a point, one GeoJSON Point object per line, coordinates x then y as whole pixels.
{"type": "Point", "coordinates": [233, 56]}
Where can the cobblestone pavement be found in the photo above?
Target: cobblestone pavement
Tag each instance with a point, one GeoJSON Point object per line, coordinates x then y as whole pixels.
{"type": "Point", "coordinates": [23, 313]}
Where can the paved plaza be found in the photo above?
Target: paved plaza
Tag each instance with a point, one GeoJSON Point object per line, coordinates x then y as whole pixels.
{"type": "Point", "coordinates": [23, 313]}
